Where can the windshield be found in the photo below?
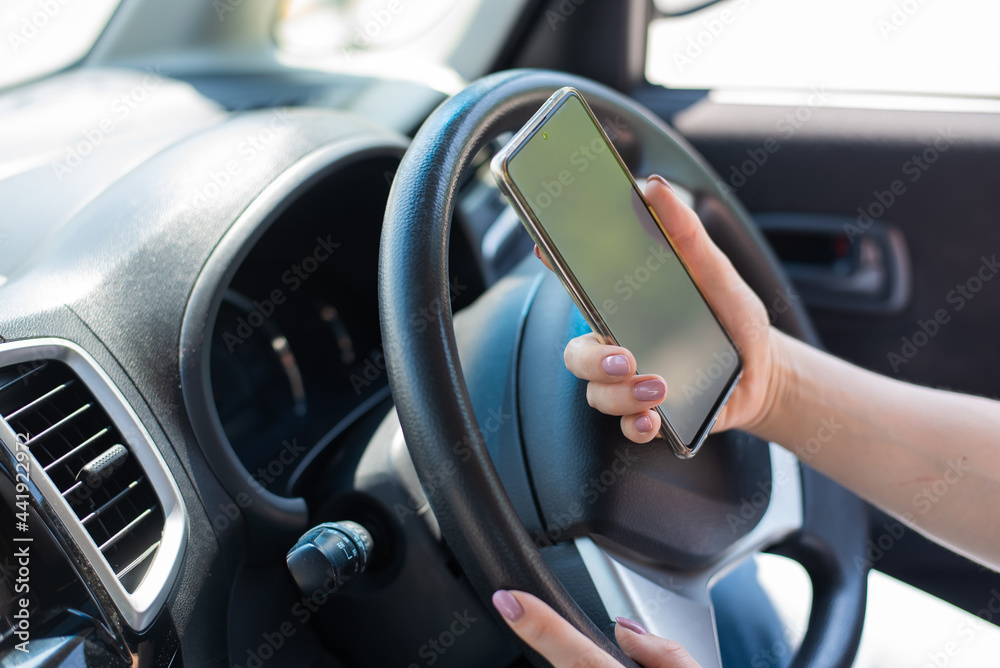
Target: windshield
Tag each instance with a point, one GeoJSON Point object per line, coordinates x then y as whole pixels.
{"type": "Point", "coordinates": [43, 36]}
{"type": "Point", "coordinates": [442, 42]}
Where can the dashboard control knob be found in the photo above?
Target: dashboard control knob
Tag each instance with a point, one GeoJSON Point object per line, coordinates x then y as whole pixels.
{"type": "Point", "coordinates": [329, 557]}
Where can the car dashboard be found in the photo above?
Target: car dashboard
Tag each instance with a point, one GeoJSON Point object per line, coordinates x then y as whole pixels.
{"type": "Point", "coordinates": [191, 370]}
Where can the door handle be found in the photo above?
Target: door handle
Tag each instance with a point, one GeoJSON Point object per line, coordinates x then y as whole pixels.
{"type": "Point", "coordinates": [839, 267]}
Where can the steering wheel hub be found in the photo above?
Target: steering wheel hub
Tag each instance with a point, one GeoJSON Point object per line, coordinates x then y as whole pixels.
{"type": "Point", "coordinates": [591, 480]}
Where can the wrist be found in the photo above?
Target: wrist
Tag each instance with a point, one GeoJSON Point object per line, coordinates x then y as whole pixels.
{"type": "Point", "coordinates": [779, 388]}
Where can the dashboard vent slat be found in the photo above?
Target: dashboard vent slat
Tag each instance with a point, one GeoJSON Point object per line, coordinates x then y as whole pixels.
{"type": "Point", "coordinates": [89, 462]}
{"type": "Point", "coordinates": [77, 450]}
{"type": "Point", "coordinates": [31, 406]}
{"type": "Point", "coordinates": [115, 499]}
{"type": "Point", "coordinates": [127, 529]}
{"type": "Point", "coordinates": [23, 372]}
{"type": "Point", "coordinates": [34, 440]}
{"type": "Point", "coordinates": [141, 558]}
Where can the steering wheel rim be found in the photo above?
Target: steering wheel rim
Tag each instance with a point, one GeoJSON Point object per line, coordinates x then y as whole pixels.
{"type": "Point", "coordinates": [433, 403]}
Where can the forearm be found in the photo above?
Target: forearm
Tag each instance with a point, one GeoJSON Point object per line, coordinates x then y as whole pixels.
{"type": "Point", "coordinates": [929, 457]}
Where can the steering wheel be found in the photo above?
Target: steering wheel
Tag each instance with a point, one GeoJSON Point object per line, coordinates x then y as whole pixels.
{"type": "Point", "coordinates": [648, 533]}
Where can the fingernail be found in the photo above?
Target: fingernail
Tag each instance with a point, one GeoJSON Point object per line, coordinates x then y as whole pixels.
{"type": "Point", "coordinates": [538, 253]}
{"type": "Point", "coordinates": [649, 390]}
{"type": "Point", "coordinates": [507, 605]}
{"type": "Point", "coordinates": [660, 179]}
{"type": "Point", "coordinates": [633, 626]}
{"type": "Point", "coordinates": [616, 365]}
{"type": "Point", "coordinates": [643, 423]}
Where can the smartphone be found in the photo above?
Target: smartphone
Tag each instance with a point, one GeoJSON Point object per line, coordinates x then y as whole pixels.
{"type": "Point", "coordinates": [582, 207]}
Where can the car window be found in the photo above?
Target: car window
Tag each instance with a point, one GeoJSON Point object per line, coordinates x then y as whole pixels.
{"type": "Point", "coordinates": [42, 36]}
{"type": "Point", "coordinates": [925, 47]}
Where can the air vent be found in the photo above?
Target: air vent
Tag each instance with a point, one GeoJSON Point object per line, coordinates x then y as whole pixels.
{"type": "Point", "coordinates": [102, 476]}
{"type": "Point", "coordinates": [83, 453]}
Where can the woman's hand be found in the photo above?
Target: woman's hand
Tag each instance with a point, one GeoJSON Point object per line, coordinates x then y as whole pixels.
{"type": "Point", "coordinates": [616, 390]}
{"type": "Point", "coordinates": [558, 641]}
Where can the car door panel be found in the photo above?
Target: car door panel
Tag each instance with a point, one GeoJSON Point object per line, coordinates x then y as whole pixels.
{"type": "Point", "coordinates": [927, 177]}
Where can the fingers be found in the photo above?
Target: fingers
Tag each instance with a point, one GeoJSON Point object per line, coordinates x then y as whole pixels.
{"type": "Point", "coordinates": [709, 265]}
{"type": "Point", "coordinates": [614, 387]}
{"type": "Point", "coordinates": [641, 394]}
{"type": "Point", "coordinates": [651, 651]}
{"type": "Point", "coordinates": [550, 635]}
{"type": "Point", "coordinates": [538, 254]}
{"type": "Point", "coordinates": [588, 358]}
{"type": "Point", "coordinates": [564, 646]}
{"type": "Point", "coordinates": [642, 427]}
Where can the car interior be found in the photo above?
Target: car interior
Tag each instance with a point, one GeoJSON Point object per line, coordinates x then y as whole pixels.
{"type": "Point", "coordinates": [281, 379]}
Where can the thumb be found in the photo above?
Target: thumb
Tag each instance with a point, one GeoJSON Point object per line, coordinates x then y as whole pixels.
{"type": "Point", "coordinates": [651, 651]}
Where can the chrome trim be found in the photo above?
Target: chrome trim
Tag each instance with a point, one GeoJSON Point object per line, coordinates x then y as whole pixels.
{"type": "Point", "coordinates": [139, 608]}
{"type": "Point", "coordinates": [677, 604]}
{"type": "Point", "coordinates": [498, 166]}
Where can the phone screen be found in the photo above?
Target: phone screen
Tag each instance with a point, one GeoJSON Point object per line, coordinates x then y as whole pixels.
{"type": "Point", "coordinates": [597, 221]}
